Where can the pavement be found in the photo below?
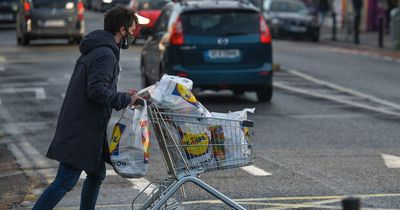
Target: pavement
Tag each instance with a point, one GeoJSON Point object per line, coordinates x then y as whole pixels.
{"type": "Point", "coordinates": [12, 172]}
{"type": "Point", "coordinates": [369, 41]}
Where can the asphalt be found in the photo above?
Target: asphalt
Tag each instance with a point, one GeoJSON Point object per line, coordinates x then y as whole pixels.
{"type": "Point", "coordinates": [11, 194]}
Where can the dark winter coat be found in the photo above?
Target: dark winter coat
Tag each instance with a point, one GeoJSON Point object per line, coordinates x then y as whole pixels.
{"type": "Point", "coordinates": [80, 138]}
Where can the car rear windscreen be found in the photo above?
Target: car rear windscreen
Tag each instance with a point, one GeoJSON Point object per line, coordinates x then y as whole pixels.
{"type": "Point", "coordinates": [151, 4]}
{"type": "Point", "coordinates": [51, 3]}
{"type": "Point", "coordinates": [285, 6]}
{"type": "Point", "coordinates": [220, 23]}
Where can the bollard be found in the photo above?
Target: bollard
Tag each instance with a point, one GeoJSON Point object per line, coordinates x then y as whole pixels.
{"type": "Point", "coordinates": [395, 27]}
{"type": "Point", "coordinates": [333, 26]}
{"type": "Point", "coordinates": [351, 203]}
{"type": "Point", "coordinates": [380, 37]}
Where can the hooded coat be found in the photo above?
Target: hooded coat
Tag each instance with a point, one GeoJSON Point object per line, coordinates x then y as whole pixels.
{"type": "Point", "coordinates": [80, 137]}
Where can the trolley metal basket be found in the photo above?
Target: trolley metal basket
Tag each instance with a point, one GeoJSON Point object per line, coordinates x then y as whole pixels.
{"type": "Point", "coordinates": [195, 144]}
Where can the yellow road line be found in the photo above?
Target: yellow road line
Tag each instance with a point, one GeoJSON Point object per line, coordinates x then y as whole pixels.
{"type": "Point", "coordinates": [365, 196]}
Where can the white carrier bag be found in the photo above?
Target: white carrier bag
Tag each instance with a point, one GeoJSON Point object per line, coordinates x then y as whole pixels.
{"type": "Point", "coordinates": [130, 143]}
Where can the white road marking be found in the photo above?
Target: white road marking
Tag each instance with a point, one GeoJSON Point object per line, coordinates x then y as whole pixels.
{"type": "Point", "coordinates": [39, 91]}
{"type": "Point", "coordinates": [391, 161]}
{"type": "Point", "coordinates": [343, 89]}
{"type": "Point", "coordinates": [2, 68]}
{"type": "Point", "coordinates": [2, 59]}
{"type": "Point", "coordinates": [336, 99]}
{"type": "Point", "coordinates": [255, 171]}
{"type": "Point", "coordinates": [390, 109]}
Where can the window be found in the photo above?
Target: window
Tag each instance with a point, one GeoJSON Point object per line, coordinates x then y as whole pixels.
{"type": "Point", "coordinates": [221, 23]}
{"type": "Point", "coordinates": [162, 21]}
{"type": "Point", "coordinates": [151, 4]}
{"type": "Point", "coordinates": [285, 6]}
{"type": "Point", "coordinates": [50, 3]}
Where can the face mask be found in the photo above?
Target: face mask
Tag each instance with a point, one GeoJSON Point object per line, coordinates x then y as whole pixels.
{"type": "Point", "coordinates": [127, 40]}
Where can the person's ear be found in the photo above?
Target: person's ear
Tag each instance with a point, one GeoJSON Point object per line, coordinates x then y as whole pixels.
{"type": "Point", "coordinates": [122, 31]}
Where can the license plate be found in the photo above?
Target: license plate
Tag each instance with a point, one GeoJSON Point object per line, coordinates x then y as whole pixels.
{"type": "Point", "coordinates": [223, 54]}
{"type": "Point", "coordinates": [6, 16]}
{"type": "Point", "coordinates": [54, 23]}
{"type": "Point", "coordinates": [298, 29]}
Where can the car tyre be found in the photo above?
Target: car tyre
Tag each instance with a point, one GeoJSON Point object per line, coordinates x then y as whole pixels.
{"type": "Point", "coordinates": [78, 40]}
{"type": "Point", "coordinates": [238, 92]}
{"type": "Point", "coordinates": [19, 41]}
{"type": "Point", "coordinates": [315, 38]}
{"type": "Point", "coordinates": [145, 80]}
{"type": "Point", "coordinates": [25, 40]}
{"type": "Point", "coordinates": [264, 94]}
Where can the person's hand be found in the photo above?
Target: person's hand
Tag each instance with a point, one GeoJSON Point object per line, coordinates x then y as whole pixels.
{"type": "Point", "coordinates": [135, 99]}
{"type": "Point", "coordinates": [132, 91]}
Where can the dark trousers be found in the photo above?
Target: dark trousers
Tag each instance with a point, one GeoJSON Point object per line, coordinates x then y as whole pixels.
{"type": "Point", "coordinates": [65, 180]}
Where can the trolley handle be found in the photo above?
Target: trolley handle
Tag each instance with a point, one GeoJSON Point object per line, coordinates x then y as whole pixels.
{"type": "Point", "coordinates": [140, 102]}
{"type": "Point", "coordinates": [248, 123]}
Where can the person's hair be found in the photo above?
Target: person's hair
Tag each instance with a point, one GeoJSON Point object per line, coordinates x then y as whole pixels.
{"type": "Point", "coordinates": [117, 17]}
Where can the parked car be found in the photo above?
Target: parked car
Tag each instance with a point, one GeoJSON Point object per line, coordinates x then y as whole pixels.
{"type": "Point", "coordinates": [8, 11]}
{"type": "Point", "coordinates": [150, 9]}
{"type": "Point", "coordinates": [104, 5]}
{"type": "Point", "coordinates": [43, 19]}
{"type": "Point", "coordinates": [217, 44]}
{"type": "Point", "coordinates": [87, 4]}
{"type": "Point", "coordinates": [290, 18]}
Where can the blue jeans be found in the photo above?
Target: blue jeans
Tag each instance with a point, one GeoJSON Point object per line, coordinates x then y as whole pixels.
{"type": "Point", "coordinates": [65, 180]}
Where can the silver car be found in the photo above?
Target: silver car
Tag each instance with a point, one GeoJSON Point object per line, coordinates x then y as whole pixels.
{"type": "Point", "coordinates": [43, 19]}
{"type": "Point", "coordinates": [8, 11]}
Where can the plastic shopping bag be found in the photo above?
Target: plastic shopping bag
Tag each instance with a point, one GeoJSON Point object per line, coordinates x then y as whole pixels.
{"type": "Point", "coordinates": [174, 93]}
{"type": "Point", "coordinates": [197, 147]}
{"type": "Point", "coordinates": [230, 141]}
{"type": "Point", "coordinates": [130, 143]}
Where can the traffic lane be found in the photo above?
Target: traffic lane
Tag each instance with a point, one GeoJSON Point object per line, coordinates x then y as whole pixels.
{"type": "Point", "coordinates": [355, 70]}
{"type": "Point", "coordinates": [8, 36]}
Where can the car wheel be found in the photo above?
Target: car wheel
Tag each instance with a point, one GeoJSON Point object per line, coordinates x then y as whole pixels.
{"type": "Point", "coordinates": [78, 40]}
{"type": "Point", "coordinates": [19, 41]}
{"type": "Point", "coordinates": [264, 94]}
{"type": "Point", "coordinates": [25, 40]}
{"type": "Point", "coordinates": [315, 38]}
{"type": "Point", "coordinates": [238, 92]}
{"type": "Point", "coordinates": [145, 80]}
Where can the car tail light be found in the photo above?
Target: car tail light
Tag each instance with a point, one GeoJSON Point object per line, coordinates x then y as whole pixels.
{"type": "Point", "coordinates": [27, 10]}
{"type": "Point", "coordinates": [81, 8]}
{"type": "Point", "coordinates": [265, 35]}
{"type": "Point", "coordinates": [182, 74]}
{"type": "Point", "coordinates": [263, 73]}
{"type": "Point", "coordinates": [177, 33]}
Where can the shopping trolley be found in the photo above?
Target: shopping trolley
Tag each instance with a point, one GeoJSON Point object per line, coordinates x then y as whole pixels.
{"type": "Point", "coordinates": [192, 145]}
